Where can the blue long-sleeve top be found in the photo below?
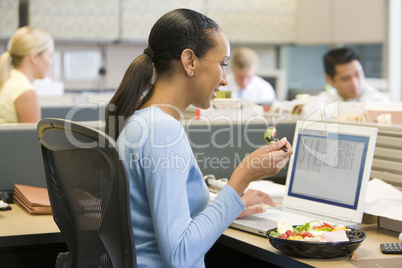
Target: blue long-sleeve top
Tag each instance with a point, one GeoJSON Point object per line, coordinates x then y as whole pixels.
{"type": "Point", "coordinates": [174, 225]}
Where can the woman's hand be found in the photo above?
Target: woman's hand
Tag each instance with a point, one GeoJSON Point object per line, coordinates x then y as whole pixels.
{"type": "Point", "coordinates": [264, 162]}
{"type": "Point", "coordinates": [253, 198]}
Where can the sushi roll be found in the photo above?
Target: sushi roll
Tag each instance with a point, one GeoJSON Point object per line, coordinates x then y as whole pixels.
{"type": "Point", "coordinates": [270, 135]}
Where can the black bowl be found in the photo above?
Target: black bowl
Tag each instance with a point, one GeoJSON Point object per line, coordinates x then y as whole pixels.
{"type": "Point", "coordinates": [308, 249]}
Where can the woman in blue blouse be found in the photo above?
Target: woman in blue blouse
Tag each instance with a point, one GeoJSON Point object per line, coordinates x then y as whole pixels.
{"type": "Point", "coordinates": [174, 226]}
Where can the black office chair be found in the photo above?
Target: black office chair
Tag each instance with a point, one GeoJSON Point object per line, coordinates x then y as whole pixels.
{"type": "Point", "coordinates": [88, 189]}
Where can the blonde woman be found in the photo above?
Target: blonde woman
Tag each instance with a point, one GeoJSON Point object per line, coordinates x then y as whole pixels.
{"type": "Point", "coordinates": [29, 56]}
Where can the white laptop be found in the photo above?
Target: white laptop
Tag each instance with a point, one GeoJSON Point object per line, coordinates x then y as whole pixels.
{"type": "Point", "coordinates": [327, 177]}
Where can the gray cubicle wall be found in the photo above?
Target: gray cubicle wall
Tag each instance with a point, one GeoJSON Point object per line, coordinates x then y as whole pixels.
{"type": "Point", "coordinates": [21, 159]}
{"type": "Point", "coordinates": [79, 112]}
{"type": "Point", "coordinates": [21, 156]}
{"type": "Point", "coordinates": [219, 148]}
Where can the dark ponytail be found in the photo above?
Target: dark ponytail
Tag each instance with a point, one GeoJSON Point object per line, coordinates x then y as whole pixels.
{"type": "Point", "coordinates": [174, 32]}
{"type": "Point", "coordinates": [129, 96]}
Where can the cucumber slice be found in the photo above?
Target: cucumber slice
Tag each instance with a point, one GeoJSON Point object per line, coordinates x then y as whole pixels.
{"type": "Point", "coordinates": [316, 233]}
{"type": "Point", "coordinates": [283, 226]}
{"type": "Point", "coordinates": [314, 223]}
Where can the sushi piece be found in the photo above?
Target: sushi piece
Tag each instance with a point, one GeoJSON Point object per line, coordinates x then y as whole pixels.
{"type": "Point", "coordinates": [270, 135]}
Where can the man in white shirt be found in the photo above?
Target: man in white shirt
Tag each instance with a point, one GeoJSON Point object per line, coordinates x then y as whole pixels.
{"type": "Point", "coordinates": [244, 83]}
{"type": "Point", "coordinates": [344, 73]}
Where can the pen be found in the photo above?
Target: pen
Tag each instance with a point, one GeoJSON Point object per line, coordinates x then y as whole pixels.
{"type": "Point", "coordinates": [353, 255]}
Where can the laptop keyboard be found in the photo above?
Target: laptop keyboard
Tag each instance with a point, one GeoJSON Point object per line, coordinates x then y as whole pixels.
{"type": "Point", "coordinates": [276, 214]}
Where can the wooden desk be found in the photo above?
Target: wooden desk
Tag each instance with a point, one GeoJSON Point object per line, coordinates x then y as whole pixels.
{"type": "Point", "coordinates": [259, 247]}
{"type": "Point", "coordinates": [18, 228]}
{"type": "Point", "coordinates": [29, 240]}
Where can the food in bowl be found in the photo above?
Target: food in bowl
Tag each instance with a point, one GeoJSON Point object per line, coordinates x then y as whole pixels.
{"type": "Point", "coordinates": [316, 246]}
{"type": "Point", "coordinates": [314, 231]}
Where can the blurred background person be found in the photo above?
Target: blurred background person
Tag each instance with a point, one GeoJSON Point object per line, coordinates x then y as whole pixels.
{"type": "Point", "coordinates": [244, 83]}
{"type": "Point", "coordinates": [345, 75]}
{"type": "Point", "coordinates": [29, 56]}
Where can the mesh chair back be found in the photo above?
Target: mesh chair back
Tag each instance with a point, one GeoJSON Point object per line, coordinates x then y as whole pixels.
{"type": "Point", "coordinates": [89, 194]}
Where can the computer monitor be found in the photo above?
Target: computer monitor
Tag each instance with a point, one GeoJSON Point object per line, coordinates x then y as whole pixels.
{"type": "Point", "coordinates": [277, 78]}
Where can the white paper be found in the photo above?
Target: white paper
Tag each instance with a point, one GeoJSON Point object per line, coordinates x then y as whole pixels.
{"type": "Point", "coordinates": [383, 200]}
{"type": "Point", "coordinates": [268, 187]}
{"type": "Point", "coordinates": [48, 88]}
{"type": "Point", "coordinates": [275, 190]}
{"type": "Point", "coordinates": [81, 65]}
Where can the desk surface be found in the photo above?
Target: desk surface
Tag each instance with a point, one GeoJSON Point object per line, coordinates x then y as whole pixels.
{"type": "Point", "coordinates": [260, 247]}
{"type": "Point", "coordinates": [18, 228]}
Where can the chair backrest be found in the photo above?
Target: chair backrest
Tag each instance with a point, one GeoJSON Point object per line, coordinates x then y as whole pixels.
{"type": "Point", "coordinates": [88, 189]}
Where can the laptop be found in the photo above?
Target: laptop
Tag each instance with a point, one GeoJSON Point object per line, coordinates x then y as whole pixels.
{"type": "Point", "coordinates": [327, 177]}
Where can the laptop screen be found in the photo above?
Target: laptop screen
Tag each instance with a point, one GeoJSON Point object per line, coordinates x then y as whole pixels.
{"type": "Point", "coordinates": [330, 167]}
{"type": "Point", "coordinates": [327, 162]}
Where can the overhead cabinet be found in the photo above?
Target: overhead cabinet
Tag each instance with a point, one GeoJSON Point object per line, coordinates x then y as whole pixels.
{"type": "Point", "coordinates": [244, 22]}
{"type": "Point", "coordinates": [341, 21]}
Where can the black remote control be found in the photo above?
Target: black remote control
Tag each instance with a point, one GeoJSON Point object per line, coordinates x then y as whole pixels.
{"type": "Point", "coordinates": [391, 248]}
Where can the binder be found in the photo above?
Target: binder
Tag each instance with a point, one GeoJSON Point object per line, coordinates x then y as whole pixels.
{"type": "Point", "coordinates": [34, 200]}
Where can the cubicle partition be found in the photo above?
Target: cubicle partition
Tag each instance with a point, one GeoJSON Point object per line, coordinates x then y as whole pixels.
{"type": "Point", "coordinates": [21, 156]}
{"type": "Point", "coordinates": [220, 147]}
{"type": "Point", "coordinates": [79, 112]}
{"type": "Point", "coordinates": [387, 163]}
{"type": "Point", "coordinates": [21, 159]}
